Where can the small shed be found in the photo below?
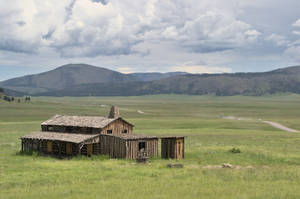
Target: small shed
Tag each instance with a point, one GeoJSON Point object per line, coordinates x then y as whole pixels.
{"type": "Point", "coordinates": [128, 145]}
{"type": "Point", "coordinates": [172, 147]}
{"type": "Point", "coordinates": [61, 144]}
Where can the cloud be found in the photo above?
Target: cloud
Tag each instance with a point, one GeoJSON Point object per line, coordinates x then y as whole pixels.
{"type": "Point", "coordinates": [90, 28]}
{"type": "Point", "coordinates": [293, 52]}
{"type": "Point", "coordinates": [296, 32]}
{"type": "Point", "coordinates": [149, 34]}
{"type": "Point", "coordinates": [279, 40]}
{"type": "Point", "coordinates": [203, 69]}
{"type": "Point", "coordinates": [125, 70]}
{"type": "Point", "coordinates": [297, 23]}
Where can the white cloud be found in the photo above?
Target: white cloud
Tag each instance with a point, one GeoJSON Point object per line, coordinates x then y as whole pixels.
{"type": "Point", "coordinates": [293, 52]}
{"type": "Point", "coordinates": [92, 28]}
{"type": "Point", "coordinates": [279, 40]}
{"type": "Point", "coordinates": [297, 23]}
{"type": "Point", "coordinates": [125, 70]}
{"type": "Point", "coordinates": [202, 69]}
{"type": "Point", "coordinates": [146, 34]}
{"type": "Point", "coordinates": [296, 32]}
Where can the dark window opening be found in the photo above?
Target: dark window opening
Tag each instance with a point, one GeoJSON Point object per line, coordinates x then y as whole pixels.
{"type": "Point", "coordinates": [69, 129]}
{"type": "Point", "coordinates": [50, 128]}
{"type": "Point", "coordinates": [124, 131]}
{"type": "Point", "coordinates": [142, 146]}
{"type": "Point", "coordinates": [109, 131]}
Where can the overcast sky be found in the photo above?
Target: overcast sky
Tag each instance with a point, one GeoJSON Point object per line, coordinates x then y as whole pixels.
{"type": "Point", "coordinates": [198, 36]}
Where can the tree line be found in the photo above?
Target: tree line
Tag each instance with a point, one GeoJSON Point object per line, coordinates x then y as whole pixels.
{"type": "Point", "coordinates": [11, 98]}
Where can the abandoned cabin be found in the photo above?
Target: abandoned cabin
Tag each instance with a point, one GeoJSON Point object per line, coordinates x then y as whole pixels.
{"type": "Point", "coordinates": [64, 135]}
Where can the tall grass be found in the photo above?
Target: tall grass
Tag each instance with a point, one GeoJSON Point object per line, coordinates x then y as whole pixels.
{"type": "Point", "coordinates": [268, 167]}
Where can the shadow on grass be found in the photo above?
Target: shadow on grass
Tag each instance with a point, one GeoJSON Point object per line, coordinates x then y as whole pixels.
{"type": "Point", "coordinates": [63, 157]}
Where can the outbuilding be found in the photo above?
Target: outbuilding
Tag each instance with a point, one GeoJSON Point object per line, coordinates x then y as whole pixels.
{"type": "Point", "coordinates": [172, 147]}
{"type": "Point", "coordinates": [128, 145]}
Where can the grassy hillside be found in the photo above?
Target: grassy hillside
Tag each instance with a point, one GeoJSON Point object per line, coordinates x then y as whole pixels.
{"type": "Point", "coordinates": [286, 80]}
{"type": "Point", "coordinates": [63, 77]}
{"type": "Point", "coordinates": [268, 167]}
{"type": "Point", "coordinates": [73, 75]}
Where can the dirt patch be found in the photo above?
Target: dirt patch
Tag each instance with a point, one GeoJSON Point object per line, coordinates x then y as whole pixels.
{"type": "Point", "coordinates": [140, 112]}
{"type": "Point", "coordinates": [274, 124]}
{"type": "Point", "coordinates": [281, 127]}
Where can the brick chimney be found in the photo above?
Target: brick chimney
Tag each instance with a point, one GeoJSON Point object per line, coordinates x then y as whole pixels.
{"type": "Point", "coordinates": [114, 112]}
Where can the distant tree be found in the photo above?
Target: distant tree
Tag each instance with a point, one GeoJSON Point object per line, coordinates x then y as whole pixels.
{"type": "Point", "coordinates": [1, 90]}
{"type": "Point", "coordinates": [12, 99]}
{"type": "Point", "coordinates": [6, 98]}
{"type": "Point", "coordinates": [19, 100]}
{"type": "Point", "coordinates": [27, 99]}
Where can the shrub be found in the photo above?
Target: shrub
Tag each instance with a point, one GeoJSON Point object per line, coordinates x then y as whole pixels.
{"type": "Point", "coordinates": [235, 150]}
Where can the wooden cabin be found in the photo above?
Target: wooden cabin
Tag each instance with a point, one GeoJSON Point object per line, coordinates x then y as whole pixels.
{"type": "Point", "coordinates": [128, 146]}
{"type": "Point", "coordinates": [61, 144]}
{"type": "Point", "coordinates": [172, 147]}
{"type": "Point", "coordinates": [64, 135]}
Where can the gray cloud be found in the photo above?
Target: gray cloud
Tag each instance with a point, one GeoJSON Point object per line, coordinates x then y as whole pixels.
{"type": "Point", "coordinates": [215, 32]}
{"type": "Point", "coordinates": [104, 2]}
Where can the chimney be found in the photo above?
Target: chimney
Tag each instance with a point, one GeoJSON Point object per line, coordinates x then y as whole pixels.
{"type": "Point", "coordinates": [114, 112]}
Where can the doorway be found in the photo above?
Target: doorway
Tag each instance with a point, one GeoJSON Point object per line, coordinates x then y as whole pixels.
{"type": "Point", "coordinates": [142, 146]}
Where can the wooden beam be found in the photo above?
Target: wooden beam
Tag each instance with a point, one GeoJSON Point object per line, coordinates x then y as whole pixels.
{"type": "Point", "coordinates": [22, 150]}
{"type": "Point", "coordinates": [59, 149]}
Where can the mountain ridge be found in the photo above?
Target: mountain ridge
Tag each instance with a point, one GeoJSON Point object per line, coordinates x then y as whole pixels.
{"type": "Point", "coordinates": [75, 80]}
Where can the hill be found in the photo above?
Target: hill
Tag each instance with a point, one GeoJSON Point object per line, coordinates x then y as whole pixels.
{"type": "Point", "coordinates": [1, 92]}
{"type": "Point", "coordinates": [154, 76]}
{"type": "Point", "coordinates": [68, 76]}
{"type": "Point", "coordinates": [277, 81]}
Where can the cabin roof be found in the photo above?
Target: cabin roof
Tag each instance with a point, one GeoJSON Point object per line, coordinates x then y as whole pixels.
{"type": "Point", "coordinates": [81, 121]}
{"type": "Point", "coordinates": [172, 136]}
{"type": "Point", "coordinates": [132, 136]}
{"type": "Point", "coordinates": [57, 136]}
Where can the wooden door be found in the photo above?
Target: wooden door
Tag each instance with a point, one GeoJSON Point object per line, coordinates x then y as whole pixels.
{"type": "Point", "coordinates": [179, 149]}
{"type": "Point", "coordinates": [69, 149]}
{"type": "Point", "coordinates": [49, 146]}
{"type": "Point", "coordinates": [89, 148]}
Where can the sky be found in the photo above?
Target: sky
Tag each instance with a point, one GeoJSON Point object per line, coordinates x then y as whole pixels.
{"type": "Point", "coordinates": [196, 36]}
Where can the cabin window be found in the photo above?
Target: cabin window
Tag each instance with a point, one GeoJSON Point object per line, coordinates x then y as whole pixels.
{"type": "Point", "coordinates": [69, 129]}
{"type": "Point", "coordinates": [142, 146]}
{"type": "Point", "coordinates": [124, 131]}
{"type": "Point", "coordinates": [50, 128]}
{"type": "Point", "coordinates": [109, 131]}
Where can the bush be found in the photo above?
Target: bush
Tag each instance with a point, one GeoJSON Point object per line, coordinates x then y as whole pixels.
{"type": "Point", "coordinates": [235, 150]}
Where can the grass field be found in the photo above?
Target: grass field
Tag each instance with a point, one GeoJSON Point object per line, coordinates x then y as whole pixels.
{"type": "Point", "coordinates": [268, 167]}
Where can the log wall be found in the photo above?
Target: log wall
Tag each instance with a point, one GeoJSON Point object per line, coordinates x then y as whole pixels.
{"type": "Point", "coordinates": [71, 129]}
{"type": "Point", "coordinates": [117, 147]}
{"type": "Point", "coordinates": [59, 148]}
{"type": "Point", "coordinates": [117, 127]}
{"type": "Point", "coordinates": [172, 148]}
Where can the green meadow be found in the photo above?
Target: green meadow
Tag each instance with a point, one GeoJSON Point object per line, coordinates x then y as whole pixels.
{"type": "Point", "coordinates": [268, 166]}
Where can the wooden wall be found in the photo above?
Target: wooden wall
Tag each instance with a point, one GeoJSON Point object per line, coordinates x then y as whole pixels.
{"type": "Point", "coordinates": [70, 129]}
{"type": "Point", "coordinates": [117, 147]}
{"type": "Point", "coordinates": [112, 146]}
{"type": "Point", "coordinates": [117, 127]}
{"type": "Point", "coordinates": [59, 148]}
{"type": "Point", "coordinates": [172, 148]}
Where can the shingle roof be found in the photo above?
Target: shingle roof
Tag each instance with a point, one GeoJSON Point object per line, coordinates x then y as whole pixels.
{"type": "Point", "coordinates": [57, 136]}
{"type": "Point", "coordinates": [131, 136]}
{"type": "Point", "coordinates": [80, 121]}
